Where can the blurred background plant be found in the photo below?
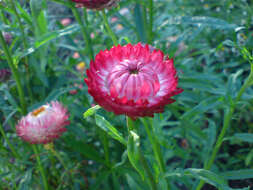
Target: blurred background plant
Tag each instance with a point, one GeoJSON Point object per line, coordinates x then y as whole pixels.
{"type": "Point", "coordinates": [48, 42]}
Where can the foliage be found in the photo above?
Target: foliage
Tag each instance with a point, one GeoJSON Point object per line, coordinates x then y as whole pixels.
{"type": "Point", "coordinates": [211, 43]}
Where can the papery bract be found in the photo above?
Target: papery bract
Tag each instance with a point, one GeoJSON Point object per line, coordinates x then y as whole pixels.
{"type": "Point", "coordinates": [96, 4]}
{"type": "Point", "coordinates": [135, 80]}
{"type": "Point", "coordinates": [44, 124]}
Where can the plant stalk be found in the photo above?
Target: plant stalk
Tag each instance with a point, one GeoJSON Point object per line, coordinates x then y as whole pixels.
{"type": "Point", "coordinates": [84, 32]}
{"type": "Point", "coordinates": [150, 21]}
{"type": "Point", "coordinates": [41, 169]}
{"type": "Point", "coordinates": [25, 46]}
{"type": "Point", "coordinates": [14, 152]}
{"type": "Point", "coordinates": [155, 145]}
{"type": "Point", "coordinates": [15, 74]}
{"type": "Point", "coordinates": [108, 28]}
{"type": "Point", "coordinates": [227, 119]}
{"type": "Point", "coordinates": [143, 161]}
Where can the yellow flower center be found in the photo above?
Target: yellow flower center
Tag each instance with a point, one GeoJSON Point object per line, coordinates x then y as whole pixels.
{"type": "Point", "coordinates": [38, 111]}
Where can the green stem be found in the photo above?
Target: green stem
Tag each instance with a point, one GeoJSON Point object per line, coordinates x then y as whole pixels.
{"type": "Point", "coordinates": [19, 23]}
{"type": "Point", "coordinates": [42, 172]}
{"type": "Point", "coordinates": [227, 119]}
{"type": "Point", "coordinates": [155, 145]}
{"type": "Point", "coordinates": [247, 83]}
{"type": "Point", "coordinates": [147, 170]}
{"type": "Point", "coordinates": [84, 32]}
{"type": "Point", "coordinates": [25, 46]}
{"type": "Point", "coordinates": [108, 28]}
{"type": "Point", "coordinates": [55, 153]}
{"type": "Point", "coordinates": [15, 74]}
{"type": "Point", "coordinates": [105, 143]}
{"type": "Point", "coordinates": [14, 152]}
{"type": "Point", "coordinates": [150, 21]}
{"type": "Point", "coordinates": [4, 18]}
{"type": "Point", "coordinates": [130, 126]}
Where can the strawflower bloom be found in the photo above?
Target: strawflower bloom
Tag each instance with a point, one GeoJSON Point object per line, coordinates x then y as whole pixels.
{"type": "Point", "coordinates": [44, 124]}
{"type": "Point", "coordinates": [135, 80]}
{"type": "Point", "coordinates": [96, 4]}
{"type": "Point", "coordinates": [5, 74]}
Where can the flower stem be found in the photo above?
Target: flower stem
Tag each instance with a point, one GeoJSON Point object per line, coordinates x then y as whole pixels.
{"type": "Point", "coordinates": [4, 18]}
{"type": "Point", "coordinates": [15, 74]}
{"type": "Point", "coordinates": [42, 172]}
{"type": "Point", "coordinates": [227, 119]}
{"type": "Point", "coordinates": [14, 152]}
{"type": "Point", "coordinates": [84, 32]}
{"type": "Point", "coordinates": [247, 83]}
{"type": "Point", "coordinates": [147, 170]}
{"type": "Point", "coordinates": [105, 142]}
{"type": "Point", "coordinates": [143, 161]}
{"type": "Point", "coordinates": [108, 28]}
{"type": "Point", "coordinates": [155, 145]}
{"type": "Point", "coordinates": [150, 21]}
{"type": "Point", "coordinates": [25, 46]}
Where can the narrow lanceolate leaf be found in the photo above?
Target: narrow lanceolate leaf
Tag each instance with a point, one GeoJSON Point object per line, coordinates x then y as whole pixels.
{"type": "Point", "coordinates": [46, 38]}
{"type": "Point", "coordinates": [91, 111]}
{"type": "Point", "coordinates": [87, 150]}
{"type": "Point", "coordinates": [245, 137]}
{"type": "Point", "coordinates": [201, 174]}
{"type": "Point", "coordinates": [208, 177]}
{"type": "Point", "coordinates": [109, 129]}
{"type": "Point", "coordinates": [133, 146]}
{"type": "Point", "coordinates": [238, 174]}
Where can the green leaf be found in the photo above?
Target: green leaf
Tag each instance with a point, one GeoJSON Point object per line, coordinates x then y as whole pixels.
{"type": "Point", "coordinates": [122, 162]}
{"type": "Point", "coordinates": [202, 107]}
{"type": "Point", "coordinates": [132, 183]}
{"type": "Point", "coordinates": [208, 21]}
{"type": "Point", "coordinates": [85, 149]}
{"type": "Point", "coordinates": [56, 93]}
{"type": "Point", "coordinates": [201, 174]}
{"type": "Point", "coordinates": [249, 158]}
{"type": "Point", "coordinates": [133, 146]}
{"type": "Point", "coordinates": [24, 14]}
{"type": "Point", "coordinates": [56, 34]}
{"type": "Point", "coordinates": [100, 179]}
{"type": "Point", "coordinates": [45, 38]}
{"type": "Point", "coordinates": [238, 174]}
{"type": "Point", "coordinates": [139, 23]}
{"type": "Point", "coordinates": [245, 137]}
{"type": "Point", "coordinates": [91, 111]}
{"type": "Point", "coordinates": [109, 129]}
{"type": "Point", "coordinates": [208, 177]}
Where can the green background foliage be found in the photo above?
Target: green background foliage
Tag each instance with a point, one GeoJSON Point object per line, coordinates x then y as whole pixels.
{"type": "Point", "coordinates": [211, 44]}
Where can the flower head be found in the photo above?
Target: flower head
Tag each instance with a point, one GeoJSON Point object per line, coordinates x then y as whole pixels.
{"type": "Point", "coordinates": [5, 74]}
{"type": "Point", "coordinates": [135, 80]}
{"type": "Point", "coordinates": [96, 4]}
{"type": "Point", "coordinates": [44, 124]}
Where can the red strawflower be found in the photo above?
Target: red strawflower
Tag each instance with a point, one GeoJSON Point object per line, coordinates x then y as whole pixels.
{"type": "Point", "coordinates": [135, 80]}
{"type": "Point", "coordinates": [96, 4]}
